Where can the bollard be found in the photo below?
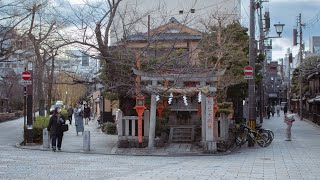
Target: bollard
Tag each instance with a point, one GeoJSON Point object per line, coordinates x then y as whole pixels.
{"type": "Point", "coordinates": [86, 141]}
{"type": "Point", "coordinates": [46, 139]}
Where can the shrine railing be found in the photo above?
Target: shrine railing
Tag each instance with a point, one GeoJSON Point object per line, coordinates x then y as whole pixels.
{"type": "Point", "coordinates": [127, 126]}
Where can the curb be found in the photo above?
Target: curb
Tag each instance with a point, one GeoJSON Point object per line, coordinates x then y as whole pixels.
{"type": "Point", "coordinates": [130, 154]}
{"type": "Point", "coordinates": [310, 122]}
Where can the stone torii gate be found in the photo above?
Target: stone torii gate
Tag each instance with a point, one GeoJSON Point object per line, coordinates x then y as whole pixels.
{"type": "Point", "coordinates": [205, 86]}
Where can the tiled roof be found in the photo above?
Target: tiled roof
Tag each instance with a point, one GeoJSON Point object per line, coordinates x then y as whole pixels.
{"type": "Point", "coordinates": [164, 37]}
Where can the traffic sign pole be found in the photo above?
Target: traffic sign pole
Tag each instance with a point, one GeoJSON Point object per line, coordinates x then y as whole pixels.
{"type": "Point", "coordinates": [29, 88]}
{"type": "Point", "coordinates": [248, 72]}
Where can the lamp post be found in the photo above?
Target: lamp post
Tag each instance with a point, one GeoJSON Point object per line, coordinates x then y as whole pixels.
{"type": "Point", "coordinates": [140, 109]}
{"type": "Point", "coordinates": [279, 28]}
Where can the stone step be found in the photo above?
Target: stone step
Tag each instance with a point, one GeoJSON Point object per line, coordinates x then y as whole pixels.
{"type": "Point", "coordinates": [183, 134]}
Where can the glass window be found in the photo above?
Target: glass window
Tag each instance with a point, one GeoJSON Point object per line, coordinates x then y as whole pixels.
{"type": "Point", "coordinates": [1, 65]}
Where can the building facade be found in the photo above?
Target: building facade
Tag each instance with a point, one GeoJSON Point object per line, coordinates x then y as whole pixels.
{"type": "Point", "coordinates": [197, 14]}
{"type": "Point", "coordinates": [315, 45]}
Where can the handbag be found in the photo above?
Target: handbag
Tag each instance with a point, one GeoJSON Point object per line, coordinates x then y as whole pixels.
{"type": "Point", "coordinates": [64, 127]}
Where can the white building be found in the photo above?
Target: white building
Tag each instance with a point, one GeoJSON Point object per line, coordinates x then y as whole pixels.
{"type": "Point", "coordinates": [315, 44]}
{"type": "Point", "coordinates": [78, 62]}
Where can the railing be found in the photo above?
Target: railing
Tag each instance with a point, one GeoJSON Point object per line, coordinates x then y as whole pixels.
{"type": "Point", "coordinates": [127, 125]}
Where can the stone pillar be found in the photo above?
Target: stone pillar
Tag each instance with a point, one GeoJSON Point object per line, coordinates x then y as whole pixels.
{"type": "Point", "coordinates": [86, 141]}
{"type": "Point", "coordinates": [211, 145]}
{"type": "Point", "coordinates": [120, 122]}
{"type": "Point", "coordinates": [203, 116]}
{"type": "Point", "coordinates": [152, 130]}
{"type": "Point", "coordinates": [146, 119]}
{"type": "Point", "coordinates": [45, 138]}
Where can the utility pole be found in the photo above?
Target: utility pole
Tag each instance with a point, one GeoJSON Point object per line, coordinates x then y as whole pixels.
{"type": "Point", "coordinates": [300, 59]}
{"type": "Point", "coordinates": [252, 58]}
{"type": "Point", "coordinates": [261, 49]}
{"type": "Point", "coordinates": [300, 72]}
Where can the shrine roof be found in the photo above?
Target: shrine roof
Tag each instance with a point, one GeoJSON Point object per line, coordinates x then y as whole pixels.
{"type": "Point", "coordinates": [164, 37]}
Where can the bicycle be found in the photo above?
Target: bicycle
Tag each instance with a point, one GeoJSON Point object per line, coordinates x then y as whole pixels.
{"type": "Point", "coordinates": [243, 134]}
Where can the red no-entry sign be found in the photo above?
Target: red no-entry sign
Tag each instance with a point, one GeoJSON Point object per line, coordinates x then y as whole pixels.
{"type": "Point", "coordinates": [26, 75]}
{"type": "Point", "coordinates": [248, 71]}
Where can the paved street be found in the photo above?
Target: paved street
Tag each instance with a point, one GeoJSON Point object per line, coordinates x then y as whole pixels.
{"type": "Point", "coordinates": [298, 159]}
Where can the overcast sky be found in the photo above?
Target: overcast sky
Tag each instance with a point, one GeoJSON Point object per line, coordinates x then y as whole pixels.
{"type": "Point", "coordinates": [286, 12]}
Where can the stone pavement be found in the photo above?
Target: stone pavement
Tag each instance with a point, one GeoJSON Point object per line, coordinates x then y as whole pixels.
{"type": "Point", "coordinates": [295, 160]}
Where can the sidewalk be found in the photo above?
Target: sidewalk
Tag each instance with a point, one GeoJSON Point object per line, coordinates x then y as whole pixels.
{"type": "Point", "coordinates": [305, 136]}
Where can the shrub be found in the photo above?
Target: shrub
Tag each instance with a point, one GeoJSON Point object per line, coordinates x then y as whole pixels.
{"type": "Point", "coordinates": [64, 114]}
{"type": "Point", "coordinates": [109, 128]}
{"type": "Point", "coordinates": [40, 123]}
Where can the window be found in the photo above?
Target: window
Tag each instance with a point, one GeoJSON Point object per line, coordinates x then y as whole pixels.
{"type": "Point", "coordinates": [14, 66]}
{"type": "Point", "coordinates": [7, 65]}
{"type": "Point", "coordinates": [1, 65]}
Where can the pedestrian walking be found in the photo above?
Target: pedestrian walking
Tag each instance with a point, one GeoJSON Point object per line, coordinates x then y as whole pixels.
{"type": "Point", "coordinates": [278, 108]}
{"type": "Point", "coordinates": [70, 113]}
{"type": "Point", "coordinates": [55, 128]}
{"type": "Point", "coordinates": [78, 116]}
{"type": "Point", "coordinates": [289, 119]}
{"type": "Point", "coordinates": [86, 114]}
{"type": "Point", "coordinates": [272, 110]}
{"type": "Point", "coordinates": [285, 110]}
{"type": "Point", "coordinates": [268, 111]}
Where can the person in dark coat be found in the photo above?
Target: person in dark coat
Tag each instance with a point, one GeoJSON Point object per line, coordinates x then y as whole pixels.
{"type": "Point", "coordinates": [285, 110]}
{"type": "Point", "coordinates": [86, 114]}
{"type": "Point", "coordinates": [268, 111]}
{"type": "Point", "coordinates": [54, 127]}
{"type": "Point", "coordinates": [70, 112]}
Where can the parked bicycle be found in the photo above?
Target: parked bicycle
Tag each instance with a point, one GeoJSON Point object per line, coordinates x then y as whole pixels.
{"type": "Point", "coordinates": [263, 137]}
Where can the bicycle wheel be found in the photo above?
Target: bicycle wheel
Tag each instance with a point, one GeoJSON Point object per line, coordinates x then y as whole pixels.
{"type": "Point", "coordinates": [269, 134]}
{"type": "Point", "coordinates": [269, 131]}
{"type": "Point", "coordinates": [241, 138]}
{"type": "Point", "coordinates": [262, 139]}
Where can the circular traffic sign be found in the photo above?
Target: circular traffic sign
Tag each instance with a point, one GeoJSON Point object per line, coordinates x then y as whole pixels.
{"type": "Point", "coordinates": [248, 71]}
{"type": "Point", "coordinates": [26, 75]}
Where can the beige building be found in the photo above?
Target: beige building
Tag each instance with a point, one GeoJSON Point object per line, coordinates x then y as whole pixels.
{"type": "Point", "coordinates": [197, 14]}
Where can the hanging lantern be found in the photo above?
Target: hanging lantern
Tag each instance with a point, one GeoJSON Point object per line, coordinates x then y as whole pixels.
{"type": "Point", "coordinates": [199, 97]}
{"type": "Point", "coordinates": [170, 98]}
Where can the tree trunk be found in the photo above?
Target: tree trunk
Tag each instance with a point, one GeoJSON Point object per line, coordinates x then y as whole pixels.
{"type": "Point", "coordinates": [127, 105]}
{"type": "Point", "coordinates": [40, 74]}
{"type": "Point", "coordinates": [50, 86]}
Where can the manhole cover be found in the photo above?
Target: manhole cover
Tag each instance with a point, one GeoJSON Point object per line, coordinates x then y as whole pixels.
{"type": "Point", "coordinates": [266, 158]}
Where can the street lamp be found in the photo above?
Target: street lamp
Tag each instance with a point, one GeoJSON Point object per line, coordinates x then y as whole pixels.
{"type": "Point", "coordinates": [279, 28]}
{"type": "Point", "coordinates": [140, 109]}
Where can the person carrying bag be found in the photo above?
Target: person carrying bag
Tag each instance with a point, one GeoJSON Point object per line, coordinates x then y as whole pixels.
{"type": "Point", "coordinates": [56, 128]}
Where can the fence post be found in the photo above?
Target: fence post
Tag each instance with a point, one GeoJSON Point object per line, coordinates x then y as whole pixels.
{"type": "Point", "coordinates": [45, 139]}
{"type": "Point", "coordinates": [86, 141]}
